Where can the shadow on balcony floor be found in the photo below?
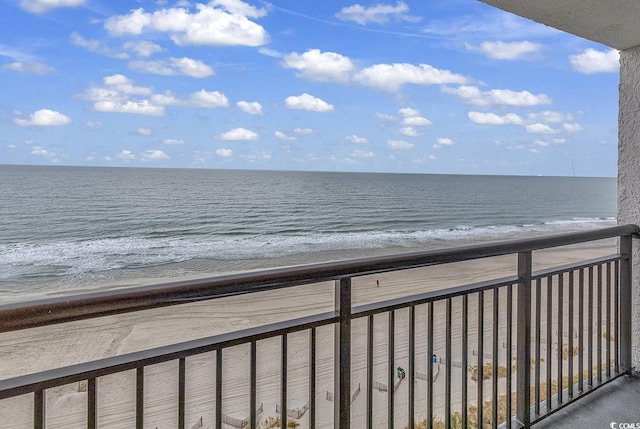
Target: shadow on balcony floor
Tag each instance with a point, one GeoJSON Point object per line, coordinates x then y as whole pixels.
{"type": "Point", "coordinates": [617, 402]}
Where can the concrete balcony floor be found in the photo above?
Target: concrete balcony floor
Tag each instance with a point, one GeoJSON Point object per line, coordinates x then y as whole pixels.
{"type": "Point", "coordinates": [618, 401]}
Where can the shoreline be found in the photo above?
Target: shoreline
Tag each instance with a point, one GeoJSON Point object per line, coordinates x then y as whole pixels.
{"type": "Point", "coordinates": [44, 348]}
{"type": "Point", "coordinates": [175, 272]}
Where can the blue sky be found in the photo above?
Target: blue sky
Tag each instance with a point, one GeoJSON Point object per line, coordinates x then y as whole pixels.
{"type": "Point", "coordinates": [438, 86]}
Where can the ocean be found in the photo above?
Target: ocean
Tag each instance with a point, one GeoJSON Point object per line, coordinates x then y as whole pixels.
{"type": "Point", "coordinates": [70, 229]}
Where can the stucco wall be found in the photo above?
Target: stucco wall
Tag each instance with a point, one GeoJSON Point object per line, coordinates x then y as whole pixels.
{"type": "Point", "coordinates": [629, 172]}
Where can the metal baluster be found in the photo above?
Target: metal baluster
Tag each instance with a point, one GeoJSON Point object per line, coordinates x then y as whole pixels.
{"type": "Point", "coordinates": [253, 381]}
{"type": "Point", "coordinates": [590, 337]}
{"type": "Point", "coordinates": [182, 371]}
{"type": "Point", "coordinates": [548, 338]}
{"type": "Point", "coordinates": [538, 362]}
{"type": "Point", "coordinates": [430, 367]}
{"type": "Point", "coordinates": [92, 403]}
{"type": "Point", "coordinates": [523, 407]}
{"type": "Point", "coordinates": [570, 328]}
{"type": "Point", "coordinates": [581, 330]}
{"type": "Point", "coordinates": [39, 397]}
{"type": "Point", "coordinates": [283, 383]}
{"type": "Point", "coordinates": [370, 372]}
{"type": "Point", "coordinates": [312, 378]}
{"type": "Point", "coordinates": [509, 354]}
{"type": "Point", "coordinates": [480, 356]}
{"type": "Point", "coordinates": [412, 365]}
{"type": "Point", "coordinates": [342, 355]}
{"type": "Point", "coordinates": [560, 334]}
{"type": "Point", "coordinates": [447, 353]}
{"type": "Point", "coordinates": [390, 370]}
{"type": "Point", "coordinates": [494, 379]}
{"type": "Point", "coordinates": [140, 398]}
{"type": "Point", "coordinates": [599, 330]}
{"type": "Point", "coordinates": [219, 388]}
{"type": "Point", "coordinates": [465, 356]}
{"type": "Point", "coordinates": [616, 316]}
{"type": "Point", "coordinates": [608, 321]}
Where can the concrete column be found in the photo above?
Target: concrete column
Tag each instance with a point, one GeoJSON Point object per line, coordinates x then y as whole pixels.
{"type": "Point", "coordinates": [629, 173]}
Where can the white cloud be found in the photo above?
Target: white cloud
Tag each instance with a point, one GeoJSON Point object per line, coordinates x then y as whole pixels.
{"type": "Point", "coordinates": [416, 121]}
{"type": "Point", "coordinates": [209, 99]}
{"type": "Point", "coordinates": [408, 112]}
{"type": "Point", "coordinates": [51, 156]}
{"type": "Point", "coordinates": [43, 118]}
{"type": "Point", "coordinates": [362, 154]}
{"type": "Point", "coordinates": [120, 94]}
{"type": "Point", "coordinates": [550, 116]}
{"type": "Point", "coordinates": [142, 48]}
{"type": "Point", "coordinates": [390, 77]}
{"type": "Point", "coordinates": [320, 66]}
{"type": "Point", "coordinates": [32, 67]}
{"type": "Point", "coordinates": [144, 131]}
{"type": "Point", "coordinates": [592, 61]}
{"type": "Point", "coordinates": [93, 125]}
{"type": "Point", "coordinates": [304, 131]}
{"type": "Point", "coordinates": [270, 53]}
{"type": "Point", "coordinates": [173, 141]}
{"type": "Point", "coordinates": [307, 102]}
{"type": "Point", "coordinates": [126, 155]}
{"type": "Point", "coordinates": [385, 117]}
{"type": "Point", "coordinates": [224, 153]}
{"type": "Point", "coordinates": [500, 50]}
{"type": "Point", "coordinates": [97, 47]}
{"type": "Point", "coordinates": [283, 136]}
{"type": "Point", "coordinates": [252, 108]}
{"type": "Point", "coordinates": [142, 107]}
{"type": "Point", "coordinates": [356, 139]}
{"type": "Point", "coordinates": [400, 145]}
{"type": "Point", "coordinates": [220, 23]}
{"type": "Point", "coordinates": [442, 142]}
{"type": "Point", "coordinates": [507, 97]}
{"type": "Point", "coordinates": [239, 7]}
{"type": "Point", "coordinates": [410, 132]}
{"type": "Point", "coordinates": [153, 155]}
{"type": "Point", "coordinates": [43, 6]}
{"type": "Point", "coordinates": [433, 157]}
{"type": "Point", "coordinates": [572, 128]}
{"type": "Point", "coordinates": [412, 118]}
{"type": "Point", "coordinates": [539, 128]}
{"type": "Point", "coordinates": [147, 155]}
{"type": "Point", "coordinates": [494, 119]}
{"type": "Point", "coordinates": [174, 66]}
{"type": "Point", "coordinates": [239, 134]}
{"type": "Point", "coordinates": [378, 13]}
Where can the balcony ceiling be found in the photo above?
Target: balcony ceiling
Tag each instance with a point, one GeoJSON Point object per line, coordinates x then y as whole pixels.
{"type": "Point", "coordinates": [610, 22]}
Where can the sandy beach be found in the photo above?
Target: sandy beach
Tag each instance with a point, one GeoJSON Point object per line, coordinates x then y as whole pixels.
{"type": "Point", "coordinates": [25, 352]}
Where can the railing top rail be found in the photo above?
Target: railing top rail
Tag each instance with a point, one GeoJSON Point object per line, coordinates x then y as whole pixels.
{"type": "Point", "coordinates": [51, 311]}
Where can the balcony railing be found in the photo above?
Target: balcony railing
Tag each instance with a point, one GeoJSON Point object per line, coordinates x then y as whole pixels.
{"type": "Point", "coordinates": [504, 352]}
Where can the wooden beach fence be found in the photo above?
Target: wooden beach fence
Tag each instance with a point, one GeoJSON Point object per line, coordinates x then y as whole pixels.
{"type": "Point", "coordinates": [240, 423]}
{"type": "Point", "coordinates": [294, 413]}
{"type": "Point", "coordinates": [198, 424]}
{"type": "Point", "coordinates": [423, 376]}
{"type": "Point", "coordinates": [354, 395]}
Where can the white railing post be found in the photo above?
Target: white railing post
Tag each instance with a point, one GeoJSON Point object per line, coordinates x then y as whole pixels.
{"type": "Point", "coordinates": [342, 355]}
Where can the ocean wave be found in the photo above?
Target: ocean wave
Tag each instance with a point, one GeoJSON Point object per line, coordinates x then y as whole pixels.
{"type": "Point", "coordinates": [30, 262]}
